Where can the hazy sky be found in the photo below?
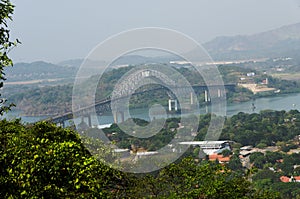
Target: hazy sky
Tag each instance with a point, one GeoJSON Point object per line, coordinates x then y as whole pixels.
{"type": "Point", "coordinates": [57, 30]}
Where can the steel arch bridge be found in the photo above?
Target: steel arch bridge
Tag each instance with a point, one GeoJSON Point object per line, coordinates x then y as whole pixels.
{"type": "Point", "coordinates": [126, 87]}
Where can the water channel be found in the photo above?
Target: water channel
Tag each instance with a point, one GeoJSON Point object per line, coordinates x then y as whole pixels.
{"type": "Point", "coordinates": [282, 102]}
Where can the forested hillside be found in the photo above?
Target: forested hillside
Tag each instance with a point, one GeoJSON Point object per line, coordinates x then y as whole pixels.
{"type": "Point", "coordinates": [44, 161]}
{"type": "Point", "coordinates": [52, 162]}
{"type": "Point", "coordinates": [37, 71]}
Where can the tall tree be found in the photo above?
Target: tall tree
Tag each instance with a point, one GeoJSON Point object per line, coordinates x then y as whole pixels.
{"type": "Point", "coordinates": [6, 11]}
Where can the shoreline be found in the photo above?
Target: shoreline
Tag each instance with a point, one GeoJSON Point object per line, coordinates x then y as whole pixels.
{"type": "Point", "coordinates": [254, 98]}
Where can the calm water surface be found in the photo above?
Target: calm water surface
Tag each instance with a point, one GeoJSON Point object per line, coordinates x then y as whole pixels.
{"type": "Point", "coordinates": [284, 102]}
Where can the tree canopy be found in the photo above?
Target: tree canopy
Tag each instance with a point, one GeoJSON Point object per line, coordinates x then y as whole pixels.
{"type": "Point", "coordinates": [6, 11]}
{"type": "Point", "coordinates": [45, 161]}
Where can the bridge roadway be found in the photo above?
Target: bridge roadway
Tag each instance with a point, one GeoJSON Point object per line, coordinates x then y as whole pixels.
{"type": "Point", "coordinates": [105, 105]}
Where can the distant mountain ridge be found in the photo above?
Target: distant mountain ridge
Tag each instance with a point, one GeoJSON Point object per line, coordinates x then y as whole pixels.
{"type": "Point", "coordinates": [283, 41]}
{"type": "Point", "coordinates": [280, 42]}
{"type": "Point", "coordinates": [38, 70]}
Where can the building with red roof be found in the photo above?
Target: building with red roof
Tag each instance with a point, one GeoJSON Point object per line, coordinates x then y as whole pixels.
{"type": "Point", "coordinates": [219, 157]}
{"type": "Point", "coordinates": [291, 179]}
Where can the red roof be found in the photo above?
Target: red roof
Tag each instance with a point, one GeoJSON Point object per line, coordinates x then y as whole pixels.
{"type": "Point", "coordinates": [297, 178]}
{"type": "Point", "coordinates": [220, 158]}
{"type": "Point", "coordinates": [287, 179]}
{"type": "Point", "coordinates": [284, 179]}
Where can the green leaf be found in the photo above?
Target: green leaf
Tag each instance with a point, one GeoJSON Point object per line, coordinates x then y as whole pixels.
{"type": "Point", "coordinates": [23, 192]}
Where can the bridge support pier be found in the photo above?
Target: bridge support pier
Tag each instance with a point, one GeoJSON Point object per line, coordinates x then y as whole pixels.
{"type": "Point", "coordinates": [192, 99]}
{"type": "Point", "coordinates": [215, 92]}
{"type": "Point", "coordinates": [175, 104]}
{"type": "Point", "coordinates": [205, 96]}
{"type": "Point", "coordinates": [115, 116]}
{"type": "Point", "coordinates": [122, 116]}
{"type": "Point", "coordinates": [89, 120]}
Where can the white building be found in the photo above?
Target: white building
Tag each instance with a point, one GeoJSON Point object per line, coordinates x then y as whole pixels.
{"type": "Point", "coordinates": [210, 147]}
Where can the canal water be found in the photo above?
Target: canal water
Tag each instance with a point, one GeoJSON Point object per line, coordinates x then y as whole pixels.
{"type": "Point", "coordinates": [283, 102]}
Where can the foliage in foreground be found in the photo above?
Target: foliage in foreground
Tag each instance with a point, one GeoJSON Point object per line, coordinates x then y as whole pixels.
{"type": "Point", "coordinates": [192, 179]}
{"type": "Point", "coordinates": [6, 11]}
{"type": "Point", "coordinates": [45, 161]}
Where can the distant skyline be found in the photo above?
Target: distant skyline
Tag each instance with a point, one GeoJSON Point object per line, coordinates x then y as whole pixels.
{"type": "Point", "coordinates": [55, 30]}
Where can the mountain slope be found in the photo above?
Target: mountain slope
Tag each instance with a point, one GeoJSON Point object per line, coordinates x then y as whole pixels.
{"type": "Point", "coordinates": [38, 70]}
{"type": "Point", "coordinates": [284, 41]}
